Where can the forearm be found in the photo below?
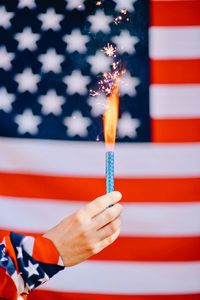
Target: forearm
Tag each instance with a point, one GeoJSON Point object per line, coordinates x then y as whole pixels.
{"type": "Point", "coordinates": [26, 263]}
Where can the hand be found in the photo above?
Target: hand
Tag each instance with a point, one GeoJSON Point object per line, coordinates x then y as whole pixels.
{"type": "Point", "coordinates": [89, 230]}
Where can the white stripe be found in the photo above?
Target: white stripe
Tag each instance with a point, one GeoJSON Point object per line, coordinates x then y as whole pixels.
{"type": "Point", "coordinates": [174, 42]}
{"type": "Point", "coordinates": [128, 278]}
{"type": "Point", "coordinates": [87, 159]}
{"type": "Point", "coordinates": [175, 101]}
{"type": "Point", "coordinates": [138, 219]}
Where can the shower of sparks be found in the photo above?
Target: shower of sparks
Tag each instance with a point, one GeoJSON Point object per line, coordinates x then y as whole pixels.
{"type": "Point", "coordinates": [108, 80]}
{"type": "Point", "coordinates": [109, 50]}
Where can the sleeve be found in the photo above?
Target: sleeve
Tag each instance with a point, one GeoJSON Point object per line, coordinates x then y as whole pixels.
{"type": "Point", "coordinates": [25, 263]}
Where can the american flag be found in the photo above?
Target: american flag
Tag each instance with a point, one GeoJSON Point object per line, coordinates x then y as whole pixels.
{"type": "Point", "coordinates": [51, 150]}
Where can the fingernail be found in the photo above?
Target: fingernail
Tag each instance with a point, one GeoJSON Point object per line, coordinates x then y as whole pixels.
{"type": "Point", "coordinates": [116, 195]}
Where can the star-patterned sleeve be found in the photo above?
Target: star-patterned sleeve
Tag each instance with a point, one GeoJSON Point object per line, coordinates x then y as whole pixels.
{"type": "Point", "coordinates": [25, 263]}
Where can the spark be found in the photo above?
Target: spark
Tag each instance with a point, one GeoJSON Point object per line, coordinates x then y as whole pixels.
{"type": "Point", "coordinates": [124, 11]}
{"type": "Point", "coordinates": [94, 93]}
{"type": "Point", "coordinates": [115, 65]}
{"type": "Point", "coordinates": [109, 50]}
{"type": "Point", "coordinates": [118, 19]}
{"type": "Point", "coordinates": [122, 17]}
{"type": "Point", "coordinates": [109, 79]}
{"type": "Point", "coordinates": [98, 3]}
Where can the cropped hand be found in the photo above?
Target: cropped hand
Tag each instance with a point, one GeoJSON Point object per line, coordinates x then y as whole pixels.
{"type": "Point", "coordinates": [89, 230]}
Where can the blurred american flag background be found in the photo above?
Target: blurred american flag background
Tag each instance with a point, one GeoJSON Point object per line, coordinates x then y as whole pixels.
{"type": "Point", "coordinates": [51, 150]}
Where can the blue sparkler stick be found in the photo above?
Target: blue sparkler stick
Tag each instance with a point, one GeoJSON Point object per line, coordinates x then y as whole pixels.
{"type": "Point", "coordinates": [109, 171]}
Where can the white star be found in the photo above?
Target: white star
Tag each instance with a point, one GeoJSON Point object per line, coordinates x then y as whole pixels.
{"type": "Point", "coordinates": [19, 252]}
{"type": "Point", "coordinates": [125, 42]}
{"type": "Point", "coordinates": [76, 83]}
{"type": "Point", "coordinates": [5, 17]}
{"type": "Point", "coordinates": [127, 126]}
{"type": "Point", "coordinates": [125, 4]}
{"type": "Point", "coordinates": [128, 85]}
{"type": "Point", "coordinates": [50, 20]}
{"type": "Point", "coordinates": [77, 124]}
{"type": "Point", "coordinates": [75, 4]}
{"type": "Point", "coordinates": [100, 22]}
{"type": "Point", "coordinates": [51, 103]}
{"type": "Point", "coordinates": [27, 81]}
{"type": "Point", "coordinates": [51, 61]}
{"type": "Point", "coordinates": [27, 122]}
{"type": "Point", "coordinates": [76, 41]}
{"type": "Point", "coordinates": [6, 100]}
{"type": "Point", "coordinates": [26, 3]}
{"type": "Point", "coordinates": [27, 39]}
{"type": "Point", "coordinates": [99, 62]}
{"type": "Point", "coordinates": [5, 59]}
{"type": "Point", "coordinates": [98, 104]}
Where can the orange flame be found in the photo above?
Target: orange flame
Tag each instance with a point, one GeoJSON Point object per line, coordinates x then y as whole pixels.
{"type": "Point", "coordinates": [111, 116]}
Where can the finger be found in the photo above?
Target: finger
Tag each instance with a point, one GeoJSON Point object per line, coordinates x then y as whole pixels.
{"type": "Point", "coordinates": [107, 216]}
{"type": "Point", "coordinates": [110, 229]}
{"type": "Point", "coordinates": [107, 241]}
{"type": "Point", "coordinates": [101, 203]}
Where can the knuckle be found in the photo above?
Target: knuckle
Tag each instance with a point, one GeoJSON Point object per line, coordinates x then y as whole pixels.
{"type": "Point", "coordinates": [109, 214]}
{"type": "Point", "coordinates": [115, 225]}
{"type": "Point", "coordinates": [91, 248]}
{"type": "Point", "coordinates": [99, 205]}
{"type": "Point", "coordinates": [111, 228]}
{"type": "Point", "coordinates": [80, 219]}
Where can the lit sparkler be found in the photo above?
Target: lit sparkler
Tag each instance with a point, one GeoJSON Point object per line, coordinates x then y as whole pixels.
{"type": "Point", "coordinates": [110, 128]}
{"type": "Point", "coordinates": [109, 84]}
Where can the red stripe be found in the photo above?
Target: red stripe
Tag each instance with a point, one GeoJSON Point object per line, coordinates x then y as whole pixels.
{"type": "Point", "coordinates": [142, 190]}
{"type": "Point", "coordinates": [175, 13]}
{"type": "Point", "coordinates": [47, 295]}
{"type": "Point", "coordinates": [86, 189]}
{"type": "Point", "coordinates": [175, 130]}
{"type": "Point", "coordinates": [45, 251]}
{"type": "Point", "coordinates": [152, 249]}
{"type": "Point", "coordinates": [155, 249]}
{"type": "Point", "coordinates": [7, 286]}
{"type": "Point", "coordinates": [175, 71]}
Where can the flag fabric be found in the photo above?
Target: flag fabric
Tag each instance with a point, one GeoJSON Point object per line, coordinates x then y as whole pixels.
{"type": "Point", "coordinates": [52, 157]}
{"type": "Point", "coordinates": [25, 263]}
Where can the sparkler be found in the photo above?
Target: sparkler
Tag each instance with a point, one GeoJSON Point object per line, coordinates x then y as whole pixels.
{"type": "Point", "coordinates": [110, 128]}
{"type": "Point", "coordinates": [109, 84]}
